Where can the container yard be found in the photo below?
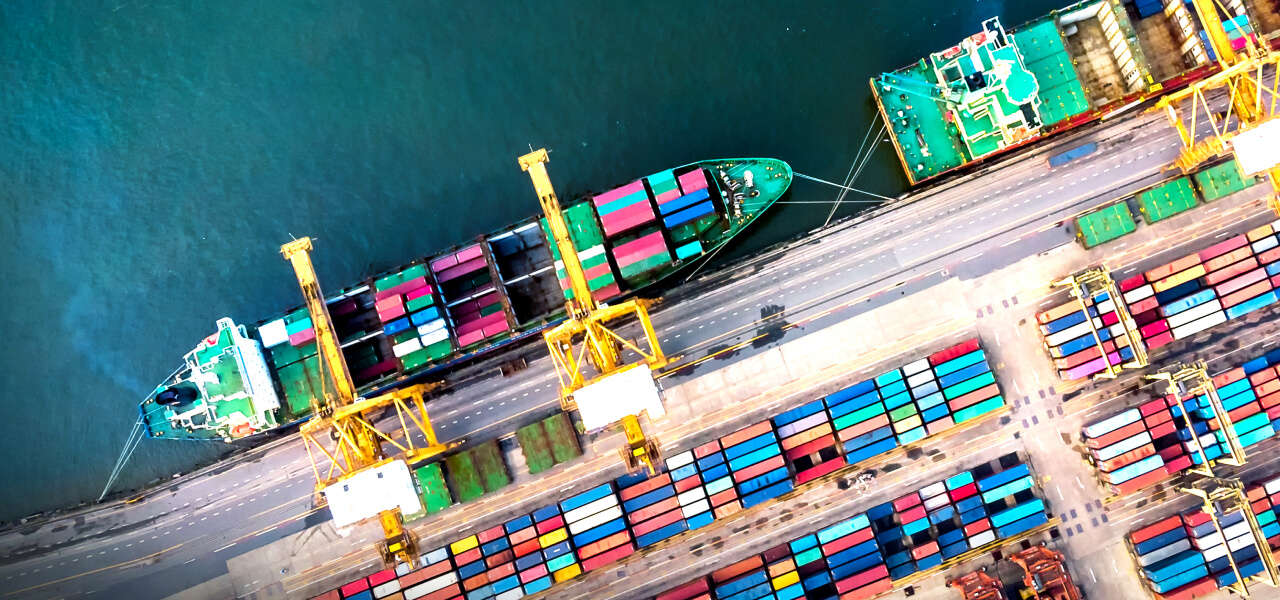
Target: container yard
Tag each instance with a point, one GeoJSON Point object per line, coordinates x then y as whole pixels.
{"type": "Point", "coordinates": [999, 89]}
{"type": "Point", "coordinates": [1225, 281]}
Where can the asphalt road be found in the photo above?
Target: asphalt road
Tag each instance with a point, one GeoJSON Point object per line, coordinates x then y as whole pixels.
{"type": "Point", "coordinates": [182, 535]}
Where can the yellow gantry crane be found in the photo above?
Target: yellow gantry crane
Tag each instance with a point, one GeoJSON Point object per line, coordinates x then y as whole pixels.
{"type": "Point", "coordinates": [342, 431]}
{"type": "Point", "coordinates": [1248, 126]}
{"type": "Point", "coordinates": [1221, 495]}
{"type": "Point", "coordinates": [1086, 286]}
{"type": "Point", "coordinates": [587, 337]}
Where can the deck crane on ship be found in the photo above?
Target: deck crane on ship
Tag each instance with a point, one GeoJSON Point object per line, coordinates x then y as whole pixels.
{"type": "Point", "coordinates": [361, 481]}
{"type": "Point", "coordinates": [617, 391]}
{"type": "Point", "coordinates": [1254, 134]}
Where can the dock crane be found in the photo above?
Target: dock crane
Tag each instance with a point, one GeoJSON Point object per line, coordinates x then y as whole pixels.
{"type": "Point", "coordinates": [1220, 495]}
{"type": "Point", "coordinates": [369, 481]}
{"type": "Point", "coordinates": [587, 336]}
{"type": "Point", "coordinates": [1252, 136]}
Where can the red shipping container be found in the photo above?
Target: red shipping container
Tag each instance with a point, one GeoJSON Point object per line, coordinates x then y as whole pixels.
{"type": "Point", "coordinates": [550, 525]}
{"type": "Point", "coordinates": [1171, 453]}
{"type": "Point", "coordinates": [848, 541]}
{"type": "Point", "coordinates": [1155, 328]}
{"type": "Point", "coordinates": [1139, 482]}
{"type": "Point", "coordinates": [355, 587]}
{"type": "Point", "coordinates": [471, 555]}
{"type": "Point", "coordinates": [1079, 358]}
{"type": "Point", "coordinates": [963, 492]}
{"type": "Point", "coordinates": [1127, 458]}
{"type": "Point", "coordinates": [1152, 407]}
{"type": "Point", "coordinates": [1181, 264]}
{"type": "Point", "coordinates": [1132, 283]}
{"type": "Point", "coordinates": [415, 577]}
{"type": "Point", "coordinates": [1275, 281]}
{"type": "Point", "coordinates": [745, 434]}
{"type": "Point", "coordinates": [1263, 376]}
{"type": "Point", "coordinates": [621, 220]}
{"type": "Point", "coordinates": [329, 595]}
{"type": "Point", "coordinates": [1143, 305]}
{"type": "Point", "coordinates": [502, 572]}
{"type": "Point", "coordinates": [1273, 413]}
{"type": "Point", "coordinates": [1261, 505]}
{"type": "Point", "coordinates": [644, 487]}
{"type": "Point", "coordinates": [974, 397]}
{"type": "Point", "coordinates": [639, 249]}
{"type": "Point", "coordinates": [1109, 319]}
{"type": "Point", "coordinates": [1159, 340]}
{"type": "Point", "coordinates": [913, 515]}
{"type": "Point", "coordinates": [1178, 464]}
{"type": "Point", "coordinates": [687, 591]}
{"type": "Point", "coordinates": [1123, 433]}
{"type": "Point", "coordinates": [381, 577]}
{"type": "Point", "coordinates": [820, 470]}
{"type": "Point", "coordinates": [1162, 430]}
{"type": "Point", "coordinates": [1242, 411]}
{"type": "Point", "coordinates": [1223, 247]}
{"type": "Point", "coordinates": [1269, 256]}
{"type": "Point", "coordinates": [519, 537]}
{"type": "Point", "coordinates": [657, 522]}
{"type": "Point", "coordinates": [1195, 518]}
{"type": "Point", "coordinates": [475, 582]}
{"type": "Point", "coordinates": [862, 428]}
{"type": "Point", "coordinates": [1159, 527]}
{"type": "Point", "coordinates": [728, 509]}
{"type": "Point", "coordinates": [905, 502]}
{"type": "Point", "coordinates": [600, 560]}
{"type": "Point", "coordinates": [618, 193]}
{"type": "Point", "coordinates": [1243, 266]}
{"type": "Point", "coordinates": [962, 349]}
{"type": "Point", "coordinates": [723, 497]}
{"type": "Point", "coordinates": [687, 484]}
{"type": "Point", "coordinates": [870, 590]}
{"type": "Point", "coordinates": [1228, 260]}
{"type": "Point", "coordinates": [527, 547]}
{"type": "Point", "coordinates": [759, 469]}
{"type": "Point", "coordinates": [737, 569]}
{"type": "Point", "coordinates": [1231, 376]}
{"type": "Point", "coordinates": [499, 558]}
{"type": "Point", "coordinates": [862, 579]}
{"type": "Point", "coordinates": [453, 592]}
{"type": "Point", "coordinates": [528, 575]}
{"type": "Point", "coordinates": [490, 534]}
{"type": "Point", "coordinates": [1269, 401]}
{"type": "Point", "coordinates": [920, 552]}
{"type": "Point", "coordinates": [707, 449]}
{"type": "Point", "coordinates": [1255, 493]}
{"type": "Point", "coordinates": [810, 447]}
{"type": "Point", "coordinates": [1160, 418]}
{"type": "Point", "coordinates": [653, 510]}
{"type": "Point", "coordinates": [1248, 293]}
{"type": "Point", "coordinates": [977, 527]}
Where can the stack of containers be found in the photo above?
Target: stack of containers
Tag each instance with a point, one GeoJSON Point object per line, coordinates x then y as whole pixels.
{"type": "Point", "coordinates": [1143, 445]}
{"type": "Point", "coordinates": [412, 317]}
{"type": "Point", "coordinates": [553, 541]}
{"type": "Point", "coordinates": [1225, 281]}
{"type": "Point", "coordinates": [677, 209]}
{"type": "Point", "coordinates": [713, 468]}
{"type": "Point", "coordinates": [588, 241]}
{"type": "Point", "coordinates": [624, 208]}
{"type": "Point", "coordinates": [478, 314]}
{"type": "Point", "coordinates": [652, 507]}
{"type": "Point", "coordinates": [756, 463]}
{"type": "Point", "coordinates": [1167, 559]}
{"type": "Point", "coordinates": [808, 441]}
{"type": "Point", "coordinates": [861, 557]}
{"type": "Point", "coordinates": [640, 255]}
{"type": "Point", "coordinates": [495, 575]}
{"type": "Point", "coordinates": [691, 493]}
{"type": "Point", "coordinates": [597, 527]}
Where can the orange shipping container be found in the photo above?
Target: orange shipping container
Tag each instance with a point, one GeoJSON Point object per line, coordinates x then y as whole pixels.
{"type": "Point", "coordinates": [1161, 272]}
{"type": "Point", "coordinates": [1178, 278]}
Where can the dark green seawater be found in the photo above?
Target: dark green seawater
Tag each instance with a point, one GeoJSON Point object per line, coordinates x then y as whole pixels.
{"type": "Point", "coordinates": [155, 154]}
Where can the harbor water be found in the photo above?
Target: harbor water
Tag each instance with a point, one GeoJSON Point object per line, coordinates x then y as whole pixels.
{"type": "Point", "coordinates": [155, 154]}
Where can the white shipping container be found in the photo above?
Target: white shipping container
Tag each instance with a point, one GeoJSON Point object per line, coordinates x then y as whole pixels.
{"type": "Point", "coordinates": [982, 539]}
{"type": "Point", "coordinates": [936, 502]}
{"type": "Point", "coordinates": [1212, 540]}
{"type": "Point", "coordinates": [1265, 244]}
{"type": "Point", "coordinates": [1068, 334]}
{"type": "Point", "coordinates": [691, 496]}
{"type": "Point", "coordinates": [679, 460]}
{"type": "Point", "coordinates": [1164, 552]}
{"type": "Point", "coordinates": [698, 507]}
{"type": "Point", "coordinates": [596, 520]}
{"type": "Point", "coordinates": [1237, 530]}
{"type": "Point", "coordinates": [804, 424]}
{"type": "Point", "coordinates": [1240, 542]}
{"type": "Point", "coordinates": [1214, 553]}
{"type": "Point", "coordinates": [386, 589]}
{"type": "Point", "coordinates": [916, 367]}
{"type": "Point", "coordinates": [1110, 424]}
{"type": "Point", "coordinates": [590, 508]}
{"type": "Point", "coordinates": [930, 491]}
{"type": "Point", "coordinates": [404, 348]}
{"type": "Point", "coordinates": [1139, 293]}
{"type": "Point", "coordinates": [1122, 446]}
{"type": "Point", "coordinates": [920, 379]}
{"type": "Point", "coordinates": [1107, 306]}
{"type": "Point", "coordinates": [434, 585]}
{"type": "Point", "coordinates": [437, 555]}
{"type": "Point", "coordinates": [1194, 313]}
{"type": "Point", "coordinates": [511, 594]}
{"type": "Point", "coordinates": [1197, 326]}
{"type": "Point", "coordinates": [1272, 486]}
{"type": "Point", "coordinates": [438, 335]}
{"type": "Point", "coordinates": [431, 327]}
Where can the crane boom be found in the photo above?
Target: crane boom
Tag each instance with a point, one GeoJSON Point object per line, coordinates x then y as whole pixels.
{"type": "Point", "coordinates": [298, 253]}
{"type": "Point", "coordinates": [535, 163]}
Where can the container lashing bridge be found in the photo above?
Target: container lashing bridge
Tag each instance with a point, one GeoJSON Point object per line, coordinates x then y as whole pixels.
{"type": "Point", "coordinates": [1090, 284]}
{"type": "Point", "coordinates": [616, 391]}
{"type": "Point", "coordinates": [362, 480]}
{"type": "Point", "coordinates": [1221, 495]}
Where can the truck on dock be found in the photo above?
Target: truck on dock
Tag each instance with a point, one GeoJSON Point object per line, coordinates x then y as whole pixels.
{"type": "Point", "coordinates": [1062, 158]}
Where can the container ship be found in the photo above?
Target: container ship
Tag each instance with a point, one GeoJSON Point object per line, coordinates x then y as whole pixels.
{"type": "Point", "coordinates": [448, 308]}
{"type": "Point", "coordinates": [997, 89]}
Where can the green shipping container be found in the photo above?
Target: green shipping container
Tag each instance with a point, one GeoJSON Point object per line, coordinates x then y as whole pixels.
{"type": "Point", "coordinates": [562, 437]}
{"type": "Point", "coordinates": [533, 442]}
{"type": "Point", "coordinates": [466, 480]}
{"type": "Point", "coordinates": [1166, 200]}
{"type": "Point", "coordinates": [432, 488]}
{"type": "Point", "coordinates": [1222, 180]}
{"type": "Point", "coordinates": [1104, 225]}
{"type": "Point", "coordinates": [493, 471]}
{"type": "Point", "coordinates": [970, 385]}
